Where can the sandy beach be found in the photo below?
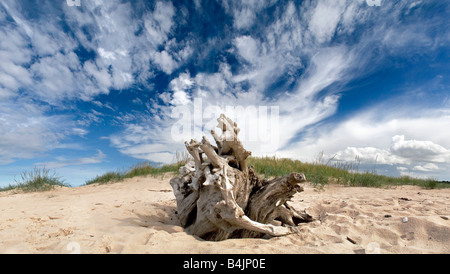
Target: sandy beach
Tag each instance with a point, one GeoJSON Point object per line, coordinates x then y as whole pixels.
{"type": "Point", "coordinates": [138, 215]}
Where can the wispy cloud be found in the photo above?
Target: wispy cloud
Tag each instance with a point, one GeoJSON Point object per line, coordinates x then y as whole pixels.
{"type": "Point", "coordinates": [278, 54]}
{"type": "Point", "coordinates": [387, 138]}
{"type": "Point", "coordinates": [64, 162]}
{"type": "Point", "coordinates": [49, 61]}
{"type": "Point", "coordinates": [296, 47]}
{"type": "Point", "coordinates": [27, 132]}
{"type": "Point", "coordinates": [62, 69]}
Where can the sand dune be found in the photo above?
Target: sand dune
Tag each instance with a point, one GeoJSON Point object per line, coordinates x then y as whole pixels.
{"type": "Point", "coordinates": [138, 216]}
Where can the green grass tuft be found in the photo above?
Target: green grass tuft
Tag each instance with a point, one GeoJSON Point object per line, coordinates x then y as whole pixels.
{"type": "Point", "coordinates": [40, 179]}
{"type": "Point", "coordinates": [342, 173]}
{"type": "Point", "coordinates": [108, 177]}
{"type": "Point", "coordinates": [141, 169]}
{"type": "Point", "coordinates": [318, 173]}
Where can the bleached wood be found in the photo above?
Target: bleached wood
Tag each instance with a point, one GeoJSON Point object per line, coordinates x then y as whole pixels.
{"type": "Point", "coordinates": [220, 197]}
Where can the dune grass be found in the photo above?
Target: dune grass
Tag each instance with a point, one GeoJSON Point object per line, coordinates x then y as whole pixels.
{"type": "Point", "coordinates": [39, 179]}
{"type": "Point", "coordinates": [141, 169]}
{"type": "Point", "coordinates": [342, 173]}
{"type": "Point", "coordinates": [318, 173]}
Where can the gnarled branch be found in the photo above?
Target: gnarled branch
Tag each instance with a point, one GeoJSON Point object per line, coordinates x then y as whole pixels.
{"type": "Point", "coordinates": [221, 198]}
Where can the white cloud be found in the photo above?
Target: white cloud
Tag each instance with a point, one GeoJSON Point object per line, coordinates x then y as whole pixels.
{"type": "Point", "coordinates": [28, 132]}
{"type": "Point", "coordinates": [325, 19]}
{"type": "Point", "coordinates": [295, 38]}
{"type": "Point", "coordinates": [247, 47]}
{"type": "Point", "coordinates": [389, 137]}
{"type": "Point", "coordinates": [401, 151]}
{"type": "Point", "coordinates": [42, 63]}
{"type": "Point", "coordinates": [165, 61]}
{"type": "Point", "coordinates": [244, 18]}
{"type": "Point", "coordinates": [278, 52]}
{"type": "Point", "coordinates": [64, 162]}
{"type": "Point", "coordinates": [179, 86]}
{"type": "Point", "coordinates": [327, 67]}
{"type": "Point", "coordinates": [106, 54]}
{"type": "Point", "coordinates": [5, 93]}
{"type": "Point", "coordinates": [37, 66]}
{"type": "Point", "coordinates": [369, 155]}
{"type": "Point", "coordinates": [245, 12]}
{"type": "Point", "coordinates": [159, 23]}
{"type": "Point", "coordinates": [214, 93]}
{"type": "Point", "coordinates": [80, 131]}
{"type": "Point", "coordinates": [147, 140]}
{"type": "Point", "coordinates": [419, 150]}
{"type": "Point", "coordinates": [101, 75]}
{"type": "Point", "coordinates": [427, 167]}
{"type": "Point", "coordinates": [138, 55]}
{"type": "Point", "coordinates": [14, 55]}
{"type": "Point", "coordinates": [40, 58]}
{"type": "Point", "coordinates": [61, 78]}
{"type": "Point", "coordinates": [8, 81]}
{"type": "Point", "coordinates": [163, 15]}
{"type": "Point", "coordinates": [413, 5]}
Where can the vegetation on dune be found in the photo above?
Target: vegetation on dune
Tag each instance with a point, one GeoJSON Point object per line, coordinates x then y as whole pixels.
{"type": "Point", "coordinates": [39, 179]}
{"type": "Point", "coordinates": [343, 173]}
{"type": "Point", "coordinates": [141, 169]}
{"type": "Point", "coordinates": [318, 173]}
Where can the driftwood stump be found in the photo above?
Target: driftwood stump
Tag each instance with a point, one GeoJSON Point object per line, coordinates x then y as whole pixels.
{"type": "Point", "coordinates": [220, 197]}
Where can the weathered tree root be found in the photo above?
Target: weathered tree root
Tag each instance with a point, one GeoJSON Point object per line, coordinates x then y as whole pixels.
{"type": "Point", "coordinates": [220, 197]}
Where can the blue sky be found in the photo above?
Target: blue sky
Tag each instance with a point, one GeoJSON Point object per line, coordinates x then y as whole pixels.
{"type": "Point", "coordinates": [96, 87]}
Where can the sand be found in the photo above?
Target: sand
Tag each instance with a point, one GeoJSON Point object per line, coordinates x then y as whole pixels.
{"type": "Point", "coordinates": [138, 216]}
